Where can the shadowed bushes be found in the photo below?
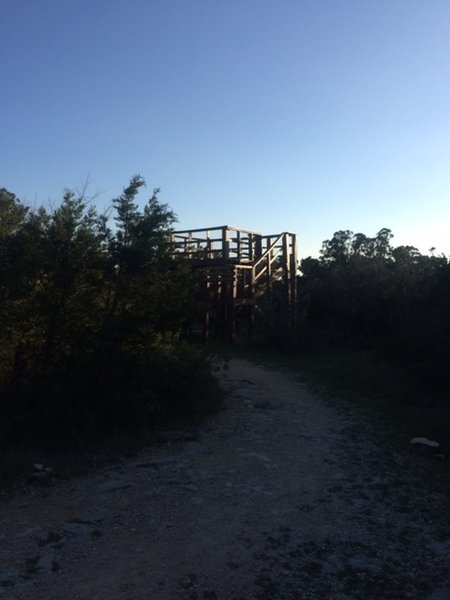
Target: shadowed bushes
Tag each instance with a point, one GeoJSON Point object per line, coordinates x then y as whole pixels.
{"type": "Point", "coordinates": [164, 382]}
{"type": "Point", "coordinates": [363, 295]}
{"type": "Point", "coordinates": [91, 317]}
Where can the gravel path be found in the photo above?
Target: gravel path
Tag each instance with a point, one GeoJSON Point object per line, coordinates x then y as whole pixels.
{"type": "Point", "coordinates": [279, 496]}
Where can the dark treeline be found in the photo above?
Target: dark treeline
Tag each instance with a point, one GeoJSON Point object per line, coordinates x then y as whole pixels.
{"type": "Point", "coordinates": [90, 320]}
{"type": "Point", "coordinates": [365, 295]}
{"type": "Point", "coordinates": [92, 317]}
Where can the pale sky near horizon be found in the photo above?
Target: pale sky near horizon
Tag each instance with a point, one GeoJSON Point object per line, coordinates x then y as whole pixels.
{"type": "Point", "coordinates": [271, 115]}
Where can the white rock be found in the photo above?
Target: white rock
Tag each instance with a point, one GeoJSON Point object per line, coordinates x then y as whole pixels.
{"type": "Point", "coordinates": [45, 564]}
{"type": "Point", "coordinates": [109, 486]}
{"type": "Point", "coordinates": [8, 577]}
{"type": "Point", "coordinates": [157, 462]}
{"type": "Point", "coordinates": [78, 530]}
{"type": "Point", "coordinates": [425, 441]}
{"type": "Point", "coordinates": [258, 455]}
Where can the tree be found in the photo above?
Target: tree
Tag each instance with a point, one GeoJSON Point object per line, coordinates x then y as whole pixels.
{"type": "Point", "coordinates": [91, 315]}
{"type": "Point", "coordinates": [338, 249]}
{"type": "Point", "coordinates": [382, 243]}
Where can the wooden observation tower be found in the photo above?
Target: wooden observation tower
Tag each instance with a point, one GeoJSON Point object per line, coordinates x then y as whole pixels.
{"type": "Point", "coordinates": [237, 267]}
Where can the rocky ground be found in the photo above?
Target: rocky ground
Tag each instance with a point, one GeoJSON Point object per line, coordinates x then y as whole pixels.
{"type": "Point", "coordinates": [279, 496]}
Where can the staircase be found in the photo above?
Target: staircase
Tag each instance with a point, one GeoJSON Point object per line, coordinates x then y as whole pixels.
{"type": "Point", "coordinates": [236, 268]}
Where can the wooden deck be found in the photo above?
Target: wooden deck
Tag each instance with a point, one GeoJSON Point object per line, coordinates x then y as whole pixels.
{"type": "Point", "coordinates": [236, 267]}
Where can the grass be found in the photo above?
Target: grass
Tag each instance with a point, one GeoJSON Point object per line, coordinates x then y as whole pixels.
{"type": "Point", "coordinates": [356, 380]}
{"type": "Point", "coordinates": [79, 457]}
{"type": "Point", "coordinates": [187, 392]}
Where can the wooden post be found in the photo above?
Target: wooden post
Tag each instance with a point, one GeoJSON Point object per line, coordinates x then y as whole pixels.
{"type": "Point", "coordinates": [251, 284]}
{"type": "Point", "coordinates": [207, 302]}
{"type": "Point", "coordinates": [287, 278]}
{"type": "Point", "coordinates": [269, 265]}
{"type": "Point", "coordinates": [258, 247]}
{"type": "Point", "coordinates": [293, 276]}
{"type": "Point", "coordinates": [232, 304]}
{"type": "Point", "coordinates": [225, 244]}
{"type": "Point", "coordinates": [208, 246]}
{"type": "Point", "coordinates": [286, 262]}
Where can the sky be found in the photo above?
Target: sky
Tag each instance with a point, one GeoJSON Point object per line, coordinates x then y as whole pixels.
{"type": "Point", "coordinates": [309, 116]}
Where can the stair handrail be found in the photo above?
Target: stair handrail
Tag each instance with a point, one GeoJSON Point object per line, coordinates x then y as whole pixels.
{"type": "Point", "coordinates": [266, 254]}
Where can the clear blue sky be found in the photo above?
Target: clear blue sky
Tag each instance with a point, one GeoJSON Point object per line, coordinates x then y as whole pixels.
{"type": "Point", "coordinates": [301, 115]}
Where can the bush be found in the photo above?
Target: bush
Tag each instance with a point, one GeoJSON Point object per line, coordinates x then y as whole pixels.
{"type": "Point", "coordinates": [134, 391]}
{"type": "Point", "coordinates": [90, 321]}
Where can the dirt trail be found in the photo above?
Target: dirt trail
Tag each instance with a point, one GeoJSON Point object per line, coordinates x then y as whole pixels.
{"type": "Point", "coordinates": [279, 496]}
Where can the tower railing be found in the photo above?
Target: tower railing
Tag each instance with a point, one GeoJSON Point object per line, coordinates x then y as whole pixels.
{"type": "Point", "coordinates": [237, 266]}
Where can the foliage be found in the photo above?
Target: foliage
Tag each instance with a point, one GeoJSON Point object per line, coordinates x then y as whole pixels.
{"type": "Point", "coordinates": [91, 315]}
{"type": "Point", "coordinates": [364, 295]}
